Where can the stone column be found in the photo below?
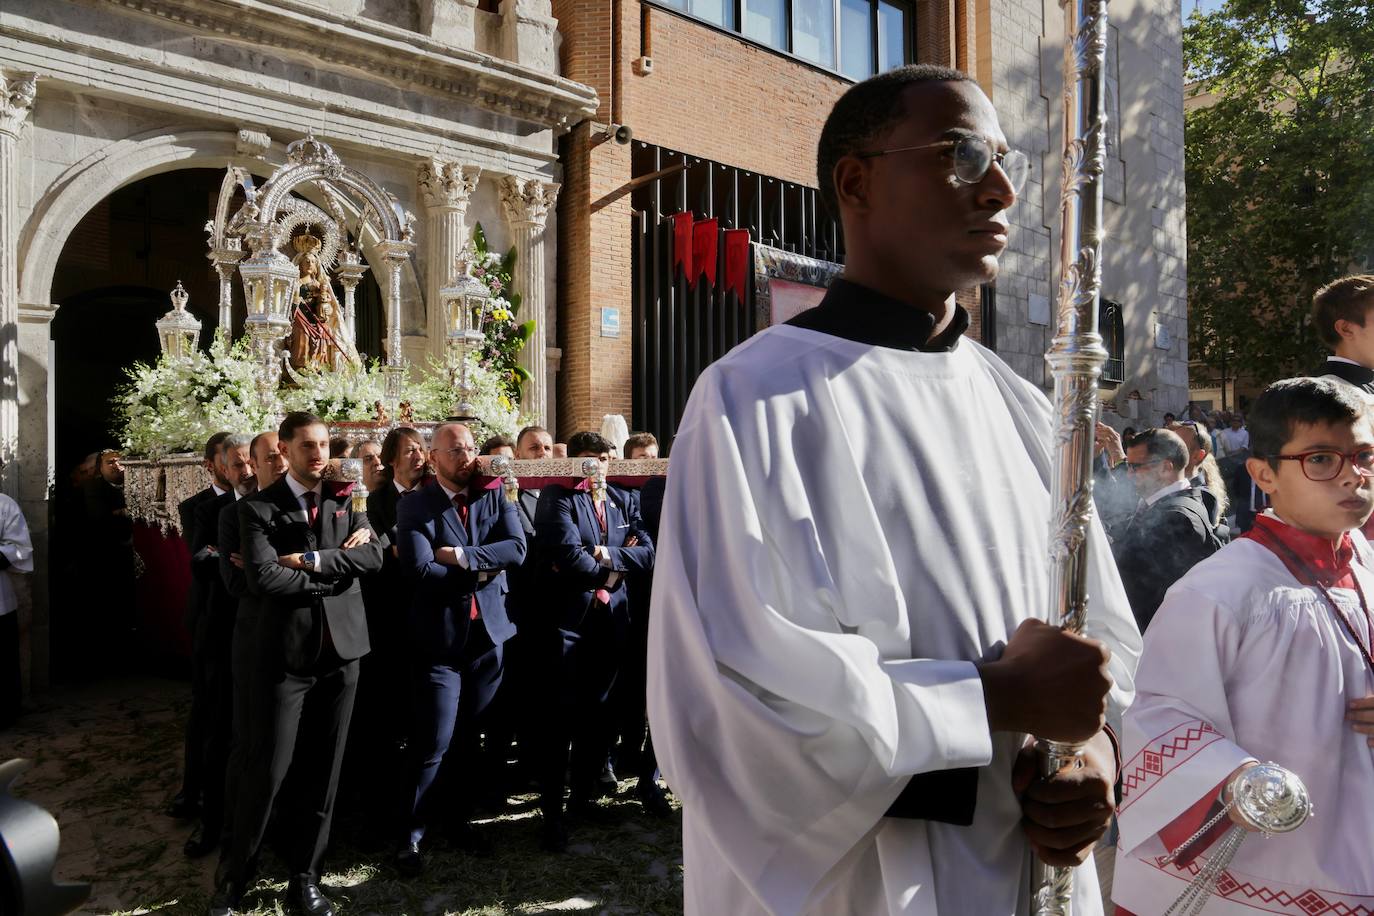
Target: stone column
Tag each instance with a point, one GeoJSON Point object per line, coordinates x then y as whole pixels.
{"type": "Point", "coordinates": [17, 91]}
{"type": "Point", "coordinates": [33, 476]}
{"type": "Point", "coordinates": [446, 188]}
{"type": "Point", "coordinates": [526, 202]}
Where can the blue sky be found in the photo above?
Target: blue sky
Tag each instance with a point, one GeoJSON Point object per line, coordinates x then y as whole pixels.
{"type": "Point", "coordinates": [1206, 6]}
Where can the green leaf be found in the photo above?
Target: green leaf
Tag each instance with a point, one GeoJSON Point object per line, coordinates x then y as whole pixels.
{"type": "Point", "coordinates": [514, 300]}
{"type": "Point", "coordinates": [524, 332]}
{"type": "Point", "coordinates": [521, 374]}
{"type": "Point", "coordinates": [508, 262]}
{"type": "Point", "coordinates": [479, 239]}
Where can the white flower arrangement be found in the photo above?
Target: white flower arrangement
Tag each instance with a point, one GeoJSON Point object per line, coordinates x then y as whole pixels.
{"type": "Point", "coordinates": [177, 403]}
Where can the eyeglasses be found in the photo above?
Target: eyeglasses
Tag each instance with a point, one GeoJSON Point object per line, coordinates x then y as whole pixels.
{"type": "Point", "coordinates": [1141, 465]}
{"type": "Point", "coordinates": [1327, 464]}
{"type": "Point", "coordinates": [460, 450]}
{"type": "Point", "coordinates": [973, 159]}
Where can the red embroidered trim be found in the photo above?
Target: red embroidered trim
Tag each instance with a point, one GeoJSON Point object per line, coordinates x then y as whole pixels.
{"type": "Point", "coordinates": [1162, 754]}
{"type": "Point", "coordinates": [1297, 902]}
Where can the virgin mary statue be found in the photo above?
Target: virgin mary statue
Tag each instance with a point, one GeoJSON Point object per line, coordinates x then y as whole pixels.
{"type": "Point", "coordinates": [319, 339]}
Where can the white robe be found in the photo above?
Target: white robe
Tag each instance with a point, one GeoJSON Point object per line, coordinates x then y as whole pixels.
{"type": "Point", "coordinates": [845, 531]}
{"type": "Point", "coordinates": [1243, 662]}
{"type": "Point", "coordinates": [15, 545]}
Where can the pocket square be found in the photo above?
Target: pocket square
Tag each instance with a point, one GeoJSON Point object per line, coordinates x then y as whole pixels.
{"type": "Point", "coordinates": [340, 513]}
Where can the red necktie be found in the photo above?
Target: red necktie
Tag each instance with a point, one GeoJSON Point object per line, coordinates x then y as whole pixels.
{"type": "Point", "coordinates": [460, 502]}
{"type": "Point", "coordinates": [312, 511]}
{"type": "Point", "coordinates": [602, 594]}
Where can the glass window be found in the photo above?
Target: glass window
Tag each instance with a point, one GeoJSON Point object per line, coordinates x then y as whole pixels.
{"type": "Point", "coordinates": [765, 21]}
{"type": "Point", "coordinates": [813, 31]}
{"type": "Point", "coordinates": [856, 38]}
{"type": "Point", "coordinates": [893, 36]}
{"type": "Point", "coordinates": [719, 12]}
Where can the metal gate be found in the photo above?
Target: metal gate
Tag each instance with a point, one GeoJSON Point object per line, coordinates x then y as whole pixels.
{"type": "Point", "coordinates": [685, 319]}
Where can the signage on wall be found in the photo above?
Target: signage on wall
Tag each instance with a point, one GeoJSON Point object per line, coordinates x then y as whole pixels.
{"type": "Point", "coordinates": [610, 322]}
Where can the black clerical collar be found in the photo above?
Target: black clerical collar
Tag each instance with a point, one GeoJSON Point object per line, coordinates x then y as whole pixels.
{"type": "Point", "coordinates": [864, 316]}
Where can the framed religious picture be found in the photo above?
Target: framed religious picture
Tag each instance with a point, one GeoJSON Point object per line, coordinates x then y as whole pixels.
{"type": "Point", "coordinates": [786, 284]}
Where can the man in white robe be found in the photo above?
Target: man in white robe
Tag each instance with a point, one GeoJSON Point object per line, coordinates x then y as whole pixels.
{"type": "Point", "coordinates": [856, 525]}
{"type": "Point", "coordinates": [1252, 657]}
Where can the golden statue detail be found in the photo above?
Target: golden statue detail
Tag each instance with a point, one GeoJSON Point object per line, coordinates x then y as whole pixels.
{"type": "Point", "coordinates": [318, 337]}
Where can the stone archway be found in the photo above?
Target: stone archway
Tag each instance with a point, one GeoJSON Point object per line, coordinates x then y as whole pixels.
{"type": "Point", "coordinates": [42, 239]}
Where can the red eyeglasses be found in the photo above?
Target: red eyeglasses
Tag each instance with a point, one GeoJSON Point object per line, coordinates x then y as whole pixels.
{"type": "Point", "coordinates": [1326, 464]}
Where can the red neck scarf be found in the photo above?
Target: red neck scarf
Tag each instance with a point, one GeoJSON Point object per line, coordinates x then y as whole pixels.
{"type": "Point", "coordinates": [1309, 557]}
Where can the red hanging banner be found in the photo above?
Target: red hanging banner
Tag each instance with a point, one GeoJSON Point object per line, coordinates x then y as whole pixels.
{"type": "Point", "coordinates": [682, 244]}
{"type": "Point", "coordinates": [705, 239]}
{"type": "Point", "coordinates": [736, 261]}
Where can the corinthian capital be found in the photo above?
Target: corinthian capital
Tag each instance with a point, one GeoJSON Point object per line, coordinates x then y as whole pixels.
{"type": "Point", "coordinates": [447, 185]}
{"type": "Point", "coordinates": [17, 91]}
{"type": "Point", "coordinates": [527, 200]}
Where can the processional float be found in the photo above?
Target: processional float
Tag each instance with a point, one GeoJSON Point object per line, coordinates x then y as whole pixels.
{"type": "Point", "coordinates": [1269, 798]}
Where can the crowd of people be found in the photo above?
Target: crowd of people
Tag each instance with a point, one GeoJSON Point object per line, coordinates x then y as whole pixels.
{"type": "Point", "coordinates": [433, 655]}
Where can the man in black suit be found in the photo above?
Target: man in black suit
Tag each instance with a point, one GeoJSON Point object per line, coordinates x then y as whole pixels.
{"type": "Point", "coordinates": [511, 715]}
{"type": "Point", "coordinates": [269, 465]}
{"type": "Point", "coordinates": [1171, 530]}
{"type": "Point", "coordinates": [304, 547]}
{"type": "Point", "coordinates": [590, 541]}
{"type": "Point", "coordinates": [456, 545]}
{"type": "Point", "coordinates": [187, 802]}
{"type": "Point", "coordinates": [373, 777]}
{"type": "Point", "coordinates": [1340, 316]}
{"type": "Point", "coordinates": [212, 641]}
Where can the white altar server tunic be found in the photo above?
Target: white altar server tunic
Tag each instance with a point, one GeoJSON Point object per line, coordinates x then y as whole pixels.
{"type": "Point", "coordinates": [846, 530]}
{"type": "Point", "coordinates": [16, 547]}
{"type": "Point", "coordinates": [1244, 662]}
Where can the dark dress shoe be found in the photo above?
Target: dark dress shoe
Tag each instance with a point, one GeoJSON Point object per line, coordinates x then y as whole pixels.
{"type": "Point", "coordinates": [225, 899]}
{"type": "Point", "coordinates": [654, 799]}
{"type": "Point", "coordinates": [303, 896]}
{"type": "Point", "coordinates": [553, 837]}
{"type": "Point", "coordinates": [409, 861]}
{"type": "Point", "coordinates": [607, 783]}
{"type": "Point", "coordinates": [202, 842]}
{"type": "Point", "coordinates": [469, 839]}
{"type": "Point", "coordinates": [182, 808]}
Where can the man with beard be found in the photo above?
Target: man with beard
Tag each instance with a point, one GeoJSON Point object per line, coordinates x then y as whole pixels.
{"type": "Point", "coordinates": [304, 548]}
{"type": "Point", "coordinates": [456, 544]}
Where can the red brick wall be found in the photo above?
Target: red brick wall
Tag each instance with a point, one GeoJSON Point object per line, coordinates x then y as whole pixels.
{"type": "Point", "coordinates": [710, 95]}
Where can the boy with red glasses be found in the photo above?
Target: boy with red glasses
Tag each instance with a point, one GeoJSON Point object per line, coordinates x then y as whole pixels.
{"type": "Point", "coordinates": [1263, 653]}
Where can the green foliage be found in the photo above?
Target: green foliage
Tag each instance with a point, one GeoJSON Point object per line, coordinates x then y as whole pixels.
{"type": "Point", "coordinates": [505, 336]}
{"type": "Point", "coordinates": [1278, 170]}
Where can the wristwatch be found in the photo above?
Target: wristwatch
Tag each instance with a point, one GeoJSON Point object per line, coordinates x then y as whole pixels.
{"type": "Point", "coordinates": [308, 561]}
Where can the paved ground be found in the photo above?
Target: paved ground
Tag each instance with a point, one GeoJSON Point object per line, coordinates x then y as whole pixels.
{"type": "Point", "coordinates": [107, 758]}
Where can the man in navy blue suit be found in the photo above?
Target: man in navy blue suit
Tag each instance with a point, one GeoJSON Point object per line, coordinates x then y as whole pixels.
{"type": "Point", "coordinates": [591, 542]}
{"type": "Point", "coordinates": [456, 544]}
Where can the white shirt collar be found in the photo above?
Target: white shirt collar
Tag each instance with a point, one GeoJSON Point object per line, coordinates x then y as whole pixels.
{"type": "Point", "coordinates": [400, 489]}
{"type": "Point", "coordinates": [1176, 487]}
{"type": "Point", "coordinates": [298, 489]}
{"type": "Point", "coordinates": [219, 491]}
{"type": "Point", "coordinates": [447, 492]}
{"type": "Point", "coordinates": [1342, 359]}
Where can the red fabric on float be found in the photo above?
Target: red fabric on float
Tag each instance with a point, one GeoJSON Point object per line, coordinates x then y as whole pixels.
{"type": "Point", "coordinates": [161, 591]}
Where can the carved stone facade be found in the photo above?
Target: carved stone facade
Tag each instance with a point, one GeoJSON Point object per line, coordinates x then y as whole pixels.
{"type": "Point", "coordinates": [436, 100]}
{"type": "Point", "coordinates": [527, 203]}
